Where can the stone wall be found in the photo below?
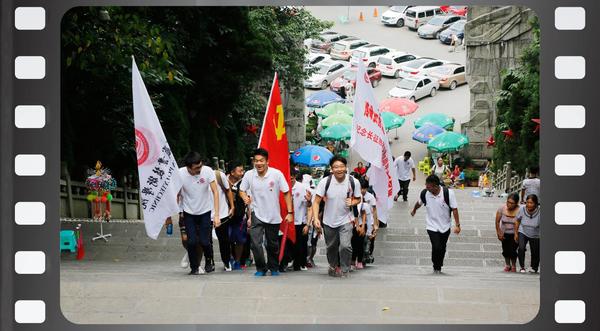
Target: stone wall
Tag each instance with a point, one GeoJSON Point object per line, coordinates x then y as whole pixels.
{"type": "Point", "coordinates": [495, 37]}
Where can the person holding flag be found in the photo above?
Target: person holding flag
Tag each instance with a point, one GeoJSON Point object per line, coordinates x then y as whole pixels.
{"type": "Point", "coordinates": [260, 189]}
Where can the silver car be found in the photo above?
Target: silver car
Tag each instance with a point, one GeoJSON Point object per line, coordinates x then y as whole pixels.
{"type": "Point", "coordinates": [436, 25]}
{"type": "Point", "coordinates": [414, 88]}
{"type": "Point", "coordinates": [326, 71]}
{"type": "Point", "coordinates": [419, 66]}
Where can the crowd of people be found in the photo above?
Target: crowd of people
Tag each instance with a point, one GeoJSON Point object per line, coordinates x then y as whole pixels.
{"type": "Point", "coordinates": [244, 210]}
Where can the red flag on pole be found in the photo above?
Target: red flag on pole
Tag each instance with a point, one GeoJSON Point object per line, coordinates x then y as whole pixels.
{"type": "Point", "coordinates": [273, 138]}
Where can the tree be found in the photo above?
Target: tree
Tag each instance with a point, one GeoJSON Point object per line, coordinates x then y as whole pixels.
{"type": "Point", "coordinates": [518, 104]}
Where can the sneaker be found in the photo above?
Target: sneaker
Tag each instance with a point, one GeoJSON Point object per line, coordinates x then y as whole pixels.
{"type": "Point", "coordinates": [344, 275]}
{"type": "Point", "coordinates": [331, 272]}
{"type": "Point", "coordinates": [227, 267]}
{"type": "Point", "coordinates": [352, 267]}
{"type": "Point", "coordinates": [338, 272]}
{"type": "Point", "coordinates": [513, 269]}
{"type": "Point", "coordinates": [405, 199]}
{"type": "Point", "coordinates": [437, 272]}
{"type": "Point", "coordinates": [507, 269]}
{"type": "Point", "coordinates": [194, 272]}
{"type": "Point", "coordinates": [201, 271]}
{"type": "Point", "coordinates": [532, 271]}
{"type": "Point", "coordinates": [522, 270]}
{"type": "Point", "coordinates": [275, 273]}
{"type": "Point", "coordinates": [185, 262]}
{"type": "Point", "coordinates": [209, 267]}
{"type": "Point", "coordinates": [260, 273]}
{"type": "Point", "coordinates": [359, 265]}
{"type": "Point", "coordinates": [236, 266]}
{"type": "Point", "coordinates": [396, 198]}
{"type": "Point", "coordinates": [248, 262]}
{"type": "Point", "coordinates": [303, 268]}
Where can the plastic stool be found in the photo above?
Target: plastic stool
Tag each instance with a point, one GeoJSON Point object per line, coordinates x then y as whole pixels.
{"type": "Point", "coordinates": [421, 165]}
{"type": "Point", "coordinates": [68, 241]}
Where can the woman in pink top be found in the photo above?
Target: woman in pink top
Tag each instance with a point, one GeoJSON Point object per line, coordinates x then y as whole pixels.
{"type": "Point", "coordinates": [505, 229]}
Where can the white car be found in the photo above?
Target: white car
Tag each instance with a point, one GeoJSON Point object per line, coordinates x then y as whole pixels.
{"type": "Point", "coordinates": [313, 58]}
{"type": "Point", "coordinates": [414, 88]}
{"type": "Point", "coordinates": [325, 73]}
{"type": "Point", "coordinates": [369, 54]}
{"type": "Point", "coordinates": [394, 16]}
{"type": "Point", "coordinates": [390, 64]}
{"type": "Point", "coordinates": [420, 66]}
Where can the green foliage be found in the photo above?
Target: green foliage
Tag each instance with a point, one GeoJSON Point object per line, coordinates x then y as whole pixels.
{"type": "Point", "coordinates": [471, 174]}
{"type": "Point", "coordinates": [208, 71]}
{"type": "Point", "coordinates": [517, 104]}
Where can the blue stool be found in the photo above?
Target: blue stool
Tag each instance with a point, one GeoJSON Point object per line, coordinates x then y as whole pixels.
{"type": "Point", "coordinates": [68, 241]}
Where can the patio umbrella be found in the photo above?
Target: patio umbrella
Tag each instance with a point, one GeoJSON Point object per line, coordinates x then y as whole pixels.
{"type": "Point", "coordinates": [312, 156]}
{"type": "Point", "coordinates": [335, 108]}
{"type": "Point", "coordinates": [392, 121]}
{"type": "Point", "coordinates": [321, 99]}
{"type": "Point", "coordinates": [427, 132]}
{"type": "Point", "coordinates": [337, 132]}
{"type": "Point", "coordinates": [398, 106]}
{"type": "Point", "coordinates": [438, 119]}
{"type": "Point", "coordinates": [336, 119]}
{"type": "Point", "coordinates": [448, 142]}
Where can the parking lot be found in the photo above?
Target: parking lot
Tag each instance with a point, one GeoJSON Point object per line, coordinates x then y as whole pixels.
{"type": "Point", "coordinates": [453, 103]}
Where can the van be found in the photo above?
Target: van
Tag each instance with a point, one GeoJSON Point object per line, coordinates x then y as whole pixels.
{"type": "Point", "coordinates": [342, 49]}
{"type": "Point", "coordinates": [369, 54]}
{"type": "Point", "coordinates": [419, 15]}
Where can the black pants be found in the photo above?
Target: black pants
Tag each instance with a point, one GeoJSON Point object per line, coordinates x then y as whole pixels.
{"type": "Point", "coordinates": [199, 232]}
{"type": "Point", "coordinates": [258, 231]}
{"type": "Point", "coordinates": [438, 247]}
{"type": "Point", "coordinates": [534, 245]}
{"type": "Point", "coordinates": [358, 246]}
{"type": "Point", "coordinates": [224, 242]}
{"type": "Point", "coordinates": [404, 189]}
{"type": "Point", "coordinates": [509, 246]}
{"type": "Point", "coordinates": [300, 248]}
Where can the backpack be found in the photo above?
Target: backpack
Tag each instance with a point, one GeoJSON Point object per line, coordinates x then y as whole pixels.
{"type": "Point", "coordinates": [238, 202]}
{"type": "Point", "coordinates": [446, 195]}
{"type": "Point", "coordinates": [351, 180]}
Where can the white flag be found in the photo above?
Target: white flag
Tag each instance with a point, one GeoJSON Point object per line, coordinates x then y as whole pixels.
{"type": "Point", "coordinates": [157, 168]}
{"type": "Point", "coordinates": [370, 141]}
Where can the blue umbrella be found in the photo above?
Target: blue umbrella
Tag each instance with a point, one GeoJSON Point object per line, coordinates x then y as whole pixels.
{"type": "Point", "coordinates": [322, 98]}
{"type": "Point", "coordinates": [426, 132]}
{"type": "Point", "coordinates": [312, 156]}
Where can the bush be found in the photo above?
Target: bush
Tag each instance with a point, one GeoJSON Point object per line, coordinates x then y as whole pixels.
{"type": "Point", "coordinates": [471, 175]}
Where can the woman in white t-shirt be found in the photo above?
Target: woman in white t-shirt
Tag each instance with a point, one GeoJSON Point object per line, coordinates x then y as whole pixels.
{"type": "Point", "coordinates": [440, 170]}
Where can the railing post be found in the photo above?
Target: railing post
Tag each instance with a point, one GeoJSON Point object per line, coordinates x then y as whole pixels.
{"type": "Point", "coordinates": [222, 165]}
{"type": "Point", "coordinates": [508, 176]}
{"type": "Point", "coordinates": [215, 162]}
{"type": "Point", "coordinates": [125, 197]}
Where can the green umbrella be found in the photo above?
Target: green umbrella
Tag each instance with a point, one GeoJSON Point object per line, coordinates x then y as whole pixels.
{"type": "Point", "coordinates": [447, 142]}
{"type": "Point", "coordinates": [438, 119]}
{"type": "Point", "coordinates": [335, 108]}
{"type": "Point", "coordinates": [337, 132]}
{"type": "Point", "coordinates": [336, 119]}
{"type": "Point", "coordinates": [392, 121]}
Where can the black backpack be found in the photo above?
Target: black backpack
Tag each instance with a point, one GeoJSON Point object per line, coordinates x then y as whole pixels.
{"type": "Point", "coordinates": [446, 194]}
{"type": "Point", "coordinates": [322, 204]}
{"type": "Point", "coordinates": [238, 202]}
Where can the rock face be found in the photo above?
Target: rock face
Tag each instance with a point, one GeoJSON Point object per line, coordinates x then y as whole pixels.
{"type": "Point", "coordinates": [495, 38]}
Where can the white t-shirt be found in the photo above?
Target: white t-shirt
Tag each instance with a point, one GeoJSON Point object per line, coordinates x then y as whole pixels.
{"type": "Point", "coordinates": [532, 186]}
{"type": "Point", "coordinates": [196, 193]}
{"type": "Point", "coordinates": [438, 215]}
{"type": "Point", "coordinates": [403, 168]}
{"type": "Point", "coordinates": [369, 202]}
{"type": "Point", "coordinates": [336, 212]}
{"type": "Point", "coordinates": [265, 193]}
{"type": "Point", "coordinates": [223, 200]}
{"type": "Point", "coordinates": [300, 204]}
{"type": "Point", "coordinates": [439, 171]}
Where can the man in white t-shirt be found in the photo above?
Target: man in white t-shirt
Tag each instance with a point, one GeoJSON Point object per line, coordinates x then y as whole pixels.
{"type": "Point", "coordinates": [340, 196]}
{"type": "Point", "coordinates": [260, 190]}
{"type": "Point", "coordinates": [440, 203]}
{"type": "Point", "coordinates": [404, 166]}
{"type": "Point", "coordinates": [301, 198]}
{"type": "Point", "coordinates": [226, 210]}
{"type": "Point", "coordinates": [199, 197]}
{"type": "Point", "coordinates": [531, 185]}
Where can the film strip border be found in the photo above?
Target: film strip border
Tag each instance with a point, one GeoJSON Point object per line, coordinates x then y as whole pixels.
{"type": "Point", "coordinates": [28, 215]}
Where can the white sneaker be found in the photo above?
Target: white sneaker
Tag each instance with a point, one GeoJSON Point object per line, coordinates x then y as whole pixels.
{"type": "Point", "coordinates": [185, 262]}
{"type": "Point", "coordinates": [201, 271]}
{"type": "Point", "coordinates": [227, 267]}
{"type": "Point", "coordinates": [303, 268]}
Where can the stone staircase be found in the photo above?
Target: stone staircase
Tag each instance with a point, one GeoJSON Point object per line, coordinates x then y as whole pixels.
{"type": "Point", "coordinates": [404, 241]}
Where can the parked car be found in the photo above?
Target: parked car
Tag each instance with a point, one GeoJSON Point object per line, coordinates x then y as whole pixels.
{"type": "Point", "coordinates": [419, 15]}
{"type": "Point", "coordinates": [313, 58]}
{"type": "Point", "coordinates": [394, 16]}
{"type": "Point", "coordinates": [414, 88]}
{"type": "Point", "coordinates": [350, 76]}
{"type": "Point", "coordinates": [323, 44]}
{"type": "Point", "coordinates": [369, 54]}
{"type": "Point", "coordinates": [342, 50]}
{"type": "Point", "coordinates": [389, 64]}
{"type": "Point", "coordinates": [419, 66]}
{"type": "Point", "coordinates": [449, 75]}
{"type": "Point", "coordinates": [326, 72]}
{"type": "Point", "coordinates": [436, 25]}
{"type": "Point", "coordinates": [458, 29]}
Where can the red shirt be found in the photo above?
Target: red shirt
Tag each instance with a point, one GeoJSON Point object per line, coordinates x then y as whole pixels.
{"type": "Point", "coordinates": [360, 171]}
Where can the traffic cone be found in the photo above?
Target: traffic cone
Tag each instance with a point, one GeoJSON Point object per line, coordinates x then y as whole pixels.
{"type": "Point", "coordinates": [361, 17]}
{"type": "Point", "coordinates": [375, 14]}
